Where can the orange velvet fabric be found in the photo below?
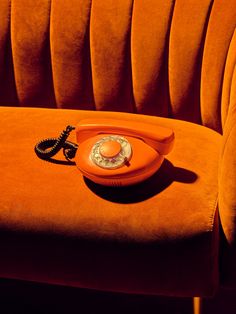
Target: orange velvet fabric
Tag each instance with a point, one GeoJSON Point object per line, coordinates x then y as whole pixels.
{"type": "Point", "coordinates": [70, 53]}
{"type": "Point", "coordinates": [106, 55]}
{"type": "Point", "coordinates": [220, 29]}
{"type": "Point", "coordinates": [227, 173]}
{"type": "Point", "coordinates": [168, 58]}
{"type": "Point", "coordinates": [159, 237]}
{"type": "Point", "coordinates": [187, 34]}
{"type": "Point", "coordinates": [227, 195]}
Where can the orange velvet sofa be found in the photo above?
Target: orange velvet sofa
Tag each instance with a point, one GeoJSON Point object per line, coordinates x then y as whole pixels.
{"type": "Point", "coordinates": [170, 63]}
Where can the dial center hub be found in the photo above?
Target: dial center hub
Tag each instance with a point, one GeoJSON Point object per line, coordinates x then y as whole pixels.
{"type": "Point", "coordinates": [110, 149]}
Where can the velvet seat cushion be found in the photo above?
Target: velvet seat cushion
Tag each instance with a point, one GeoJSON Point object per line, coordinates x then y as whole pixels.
{"type": "Point", "coordinates": [158, 237]}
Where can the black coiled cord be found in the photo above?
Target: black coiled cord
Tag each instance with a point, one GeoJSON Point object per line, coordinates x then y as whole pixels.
{"type": "Point", "coordinates": [49, 147]}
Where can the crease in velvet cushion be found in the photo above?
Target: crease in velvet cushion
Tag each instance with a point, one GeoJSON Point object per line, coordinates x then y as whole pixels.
{"type": "Point", "coordinates": [158, 237]}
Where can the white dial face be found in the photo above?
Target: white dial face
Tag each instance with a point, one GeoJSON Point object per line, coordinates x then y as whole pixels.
{"type": "Point", "coordinates": [115, 158]}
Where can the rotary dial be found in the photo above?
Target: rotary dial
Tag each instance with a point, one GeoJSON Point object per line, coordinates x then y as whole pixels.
{"type": "Point", "coordinates": [111, 152]}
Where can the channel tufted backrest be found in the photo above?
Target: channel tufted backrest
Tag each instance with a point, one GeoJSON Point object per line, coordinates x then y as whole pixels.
{"type": "Point", "coordinates": [156, 57]}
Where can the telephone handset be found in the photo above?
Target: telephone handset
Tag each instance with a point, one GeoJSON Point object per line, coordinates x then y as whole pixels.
{"type": "Point", "coordinates": [113, 152]}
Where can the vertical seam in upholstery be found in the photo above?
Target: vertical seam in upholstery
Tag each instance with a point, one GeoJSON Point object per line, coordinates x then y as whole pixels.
{"type": "Point", "coordinates": [167, 55]}
{"type": "Point", "coordinates": [213, 212]}
{"type": "Point", "coordinates": [131, 67]}
{"type": "Point", "coordinates": [10, 34]}
{"type": "Point", "coordinates": [9, 18]}
{"type": "Point", "coordinates": [222, 153]}
{"type": "Point", "coordinates": [221, 91]}
{"type": "Point", "coordinates": [214, 218]}
{"type": "Point", "coordinates": [167, 58]}
{"type": "Point", "coordinates": [215, 246]}
{"type": "Point", "coordinates": [11, 50]}
{"type": "Point", "coordinates": [226, 140]}
{"type": "Point", "coordinates": [130, 60]}
{"type": "Point", "coordinates": [200, 55]}
{"type": "Point", "coordinates": [90, 58]}
{"type": "Point", "coordinates": [228, 104]}
{"type": "Point", "coordinates": [90, 54]}
{"type": "Point", "coordinates": [218, 109]}
{"type": "Point", "coordinates": [50, 52]}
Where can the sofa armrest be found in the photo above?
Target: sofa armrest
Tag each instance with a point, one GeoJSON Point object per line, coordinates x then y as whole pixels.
{"type": "Point", "coordinates": [227, 173]}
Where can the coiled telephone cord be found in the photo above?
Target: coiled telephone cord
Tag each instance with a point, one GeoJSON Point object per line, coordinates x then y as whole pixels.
{"type": "Point", "coordinates": [49, 147]}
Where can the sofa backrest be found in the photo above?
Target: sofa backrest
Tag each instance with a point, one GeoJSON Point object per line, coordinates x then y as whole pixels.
{"type": "Point", "coordinates": [156, 57]}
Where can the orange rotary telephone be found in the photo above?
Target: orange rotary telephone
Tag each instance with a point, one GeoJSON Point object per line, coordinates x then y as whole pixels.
{"type": "Point", "coordinates": [113, 152]}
